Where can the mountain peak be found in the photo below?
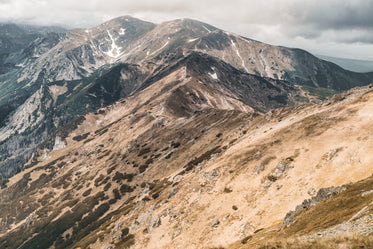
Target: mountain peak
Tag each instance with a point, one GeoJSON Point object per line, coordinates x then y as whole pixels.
{"type": "Point", "coordinates": [190, 24]}
{"type": "Point", "coordinates": [126, 18]}
{"type": "Point", "coordinates": [124, 21]}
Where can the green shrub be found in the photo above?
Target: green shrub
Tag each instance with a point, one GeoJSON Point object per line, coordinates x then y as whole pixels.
{"type": "Point", "coordinates": [111, 169]}
{"type": "Point", "coordinates": [143, 168]}
{"type": "Point", "coordinates": [107, 186]}
{"type": "Point", "coordinates": [87, 192]}
{"type": "Point", "coordinates": [80, 137]}
{"type": "Point", "coordinates": [246, 239]}
{"type": "Point", "coordinates": [169, 155]}
{"type": "Point", "coordinates": [143, 152]}
{"type": "Point", "coordinates": [98, 180]}
{"type": "Point", "coordinates": [116, 194]}
{"type": "Point", "coordinates": [227, 190]}
{"type": "Point", "coordinates": [175, 145]}
{"type": "Point", "coordinates": [126, 242]}
{"type": "Point", "coordinates": [272, 178]}
{"type": "Point", "coordinates": [126, 189]}
{"type": "Point", "coordinates": [205, 156]}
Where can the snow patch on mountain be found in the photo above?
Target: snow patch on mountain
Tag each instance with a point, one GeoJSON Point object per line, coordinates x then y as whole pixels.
{"type": "Point", "coordinates": [238, 54]}
{"type": "Point", "coordinates": [156, 51]}
{"type": "Point", "coordinates": [192, 40]}
{"type": "Point", "coordinates": [264, 62]}
{"type": "Point", "coordinates": [20, 65]}
{"type": "Point", "coordinates": [206, 28]}
{"type": "Point", "coordinates": [122, 31]}
{"type": "Point", "coordinates": [114, 52]}
{"type": "Point", "coordinates": [213, 75]}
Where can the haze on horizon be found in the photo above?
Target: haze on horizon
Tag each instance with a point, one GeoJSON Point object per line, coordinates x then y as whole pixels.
{"type": "Point", "coordinates": [339, 28]}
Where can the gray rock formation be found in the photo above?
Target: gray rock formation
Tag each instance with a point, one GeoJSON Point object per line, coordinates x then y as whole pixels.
{"type": "Point", "coordinates": [322, 195]}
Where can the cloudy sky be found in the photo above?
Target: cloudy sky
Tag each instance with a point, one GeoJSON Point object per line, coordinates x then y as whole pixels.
{"type": "Point", "coordinates": [341, 28]}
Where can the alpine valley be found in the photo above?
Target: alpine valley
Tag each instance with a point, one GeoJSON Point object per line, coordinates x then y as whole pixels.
{"type": "Point", "coordinates": [179, 135]}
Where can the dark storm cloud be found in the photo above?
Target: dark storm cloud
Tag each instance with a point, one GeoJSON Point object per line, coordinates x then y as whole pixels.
{"type": "Point", "coordinates": [302, 23]}
{"type": "Point", "coordinates": [311, 19]}
{"type": "Point", "coordinates": [339, 14]}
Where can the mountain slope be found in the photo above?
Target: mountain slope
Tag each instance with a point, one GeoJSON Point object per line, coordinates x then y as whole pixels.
{"type": "Point", "coordinates": [147, 174]}
{"type": "Point", "coordinates": [59, 67]}
{"type": "Point", "coordinates": [294, 65]}
{"type": "Point", "coordinates": [57, 103]}
{"type": "Point", "coordinates": [14, 38]}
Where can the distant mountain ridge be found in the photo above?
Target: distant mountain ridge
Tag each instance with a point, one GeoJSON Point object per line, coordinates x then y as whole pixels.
{"type": "Point", "coordinates": [127, 39]}
{"type": "Point", "coordinates": [354, 65]}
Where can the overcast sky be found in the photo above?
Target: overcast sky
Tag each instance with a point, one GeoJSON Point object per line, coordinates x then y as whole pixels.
{"type": "Point", "coordinates": [342, 28]}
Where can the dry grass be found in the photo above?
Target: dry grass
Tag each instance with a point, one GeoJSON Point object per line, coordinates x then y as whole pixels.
{"type": "Point", "coordinates": [350, 242]}
{"type": "Point", "coordinates": [344, 206]}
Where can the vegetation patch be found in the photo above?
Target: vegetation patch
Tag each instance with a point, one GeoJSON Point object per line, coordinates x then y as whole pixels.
{"type": "Point", "coordinates": [126, 242]}
{"type": "Point", "coordinates": [272, 178]}
{"type": "Point", "coordinates": [116, 194]}
{"type": "Point", "coordinates": [175, 145]}
{"type": "Point", "coordinates": [169, 155]}
{"type": "Point", "coordinates": [107, 186]}
{"type": "Point", "coordinates": [87, 192]}
{"type": "Point", "coordinates": [126, 189]}
{"type": "Point", "coordinates": [3, 183]}
{"type": "Point", "coordinates": [111, 169]}
{"type": "Point", "coordinates": [205, 156]}
{"type": "Point", "coordinates": [227, 190]}
{"type": "Point", "coordinates": [104, 154]}
{"type": "Point", "coordinates": [143, 167]}
{"type": "Point", "coordinates": [246, 239]}
{"type": "Point", "coordinates": [88, 140]}
{"type": "Point", "coordinates": [81, 137]}
{"type": "Point", "coordinates": [143, 151]}
{"type": "Point", "coordinates": [319, 92]}
{"type": "Point", "coordinates": [118, 177]}
{"type": "Point", "coordinates": [157, 187]}
{"type": "Point", "coordinates": [98, 180]}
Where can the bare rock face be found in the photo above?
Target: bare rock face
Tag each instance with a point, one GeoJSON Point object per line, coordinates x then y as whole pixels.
{"type": "Point", "coordinates": [59, 143]}
{"type": "Point", "coordinates": [259, 168]}
{"type": "Point", "coordinates": [173, 192]}
{"type": "Point", "coordinates": [215, 223]}
{"type": "Point", "coordinates": [322, 195]}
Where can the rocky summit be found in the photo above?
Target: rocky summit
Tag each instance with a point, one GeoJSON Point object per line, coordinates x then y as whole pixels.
{"type": "Point", "coordinates": [179, 135]}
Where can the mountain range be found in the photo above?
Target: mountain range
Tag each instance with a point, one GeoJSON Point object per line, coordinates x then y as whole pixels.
{"type": "Point", "coordinates": [179, 134]}
{"type": "Point", "coordinates": [350, 64]}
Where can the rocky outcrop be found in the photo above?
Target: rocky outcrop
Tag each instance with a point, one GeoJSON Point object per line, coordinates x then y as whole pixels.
{"type": "Point", "coordinates": [322, 195]}
{"type": "Point", "coordinates": [59, 143]}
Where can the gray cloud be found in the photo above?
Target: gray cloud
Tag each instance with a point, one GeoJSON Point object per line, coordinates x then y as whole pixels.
{"type": "Point", "coordinates": [310, 24]}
